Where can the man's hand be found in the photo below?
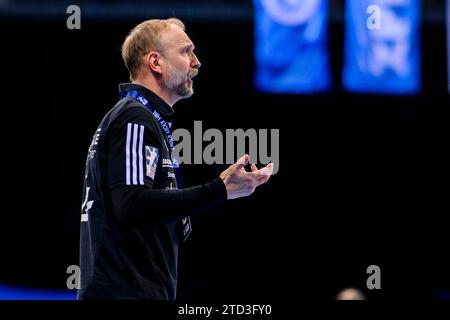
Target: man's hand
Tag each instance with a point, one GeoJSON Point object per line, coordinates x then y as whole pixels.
{"type": "Point", "coordinates": [240, 183]}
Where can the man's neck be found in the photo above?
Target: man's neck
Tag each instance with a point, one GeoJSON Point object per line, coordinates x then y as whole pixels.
{"type": "Point", "coordinates": [157, 89]}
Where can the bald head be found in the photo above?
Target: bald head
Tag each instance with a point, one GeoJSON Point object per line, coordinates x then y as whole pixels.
{"type": "Point", "coordinates": [145, 37]}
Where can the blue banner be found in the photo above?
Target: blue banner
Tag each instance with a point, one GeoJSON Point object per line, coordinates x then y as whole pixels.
{"type": "Point", "coordinates": [382, 46]}
{"type": "Point", "coordinates": [291, 46]}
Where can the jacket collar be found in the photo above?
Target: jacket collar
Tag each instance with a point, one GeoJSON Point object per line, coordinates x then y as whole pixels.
{"type": "Point", "coordinates": [159, 104]}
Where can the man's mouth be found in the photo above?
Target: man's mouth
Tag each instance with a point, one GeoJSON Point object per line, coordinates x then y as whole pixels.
{"type": "Point", "coordinates": [190, 76]}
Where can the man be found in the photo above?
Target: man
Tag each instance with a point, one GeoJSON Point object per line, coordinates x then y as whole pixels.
{"type": "Point", "coordinates": [135, 211]}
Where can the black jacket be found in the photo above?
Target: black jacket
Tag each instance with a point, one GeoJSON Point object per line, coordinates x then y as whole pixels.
{"type": "Point", "coordinates": [133, 215]}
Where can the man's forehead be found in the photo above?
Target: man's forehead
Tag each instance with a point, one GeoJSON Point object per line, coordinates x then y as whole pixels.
{"type": "Point", "coordinates": [176, 36]}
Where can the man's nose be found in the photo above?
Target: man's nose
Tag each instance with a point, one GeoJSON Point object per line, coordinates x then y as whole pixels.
{"type": "Point", "coordinates": [195, 62]}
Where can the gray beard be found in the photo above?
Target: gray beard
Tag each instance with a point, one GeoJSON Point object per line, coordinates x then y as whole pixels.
{"type": "Point", "coordinates": [178, 83]}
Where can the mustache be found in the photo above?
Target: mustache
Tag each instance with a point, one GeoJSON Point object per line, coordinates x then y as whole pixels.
{"type": "Point", "coordinates": [192, 74]}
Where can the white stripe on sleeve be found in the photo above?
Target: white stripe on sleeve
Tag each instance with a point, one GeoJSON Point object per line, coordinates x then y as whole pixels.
{"type": "Point", "coordinates": [127, 154]}
{"type": "Point", "coordinates": [134, 153]}
{"type": "Point", "coordinates": [141, 165]}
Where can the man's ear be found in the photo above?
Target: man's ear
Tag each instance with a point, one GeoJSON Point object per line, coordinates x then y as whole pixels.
{"type": "Point", "coordinates": [152, 61]}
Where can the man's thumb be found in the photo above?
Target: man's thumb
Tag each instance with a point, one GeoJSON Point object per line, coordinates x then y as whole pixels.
{"type": "Point", "coordinates": [242, 162]}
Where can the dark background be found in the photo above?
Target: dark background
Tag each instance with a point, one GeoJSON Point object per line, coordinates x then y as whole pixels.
{"type": "Point", "coordinates": [363, 179]}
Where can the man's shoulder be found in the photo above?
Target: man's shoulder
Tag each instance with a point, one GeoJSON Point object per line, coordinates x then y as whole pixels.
{"type": "Point", "coordinates": [128, 110]}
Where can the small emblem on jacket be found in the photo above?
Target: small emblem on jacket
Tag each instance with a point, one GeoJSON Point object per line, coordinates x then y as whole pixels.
{"type": "Point", "coordinates": [151, 161]}
{"type": "Point", "coordinates": [167, 163]}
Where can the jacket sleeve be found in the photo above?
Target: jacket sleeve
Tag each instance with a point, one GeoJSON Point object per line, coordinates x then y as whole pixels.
{"type": "Point", "coordinates": [132, 152]}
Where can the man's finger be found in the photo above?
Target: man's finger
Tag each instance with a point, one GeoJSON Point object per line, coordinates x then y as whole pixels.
{"type": "Point", "coordinates": [263, 179]}
{"type": "Point", "coordinates": [254, 167]}
{"type": "Point", "coordinates": [242, 162]}
{"type": "Point", "coordinates": [266, 171]}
